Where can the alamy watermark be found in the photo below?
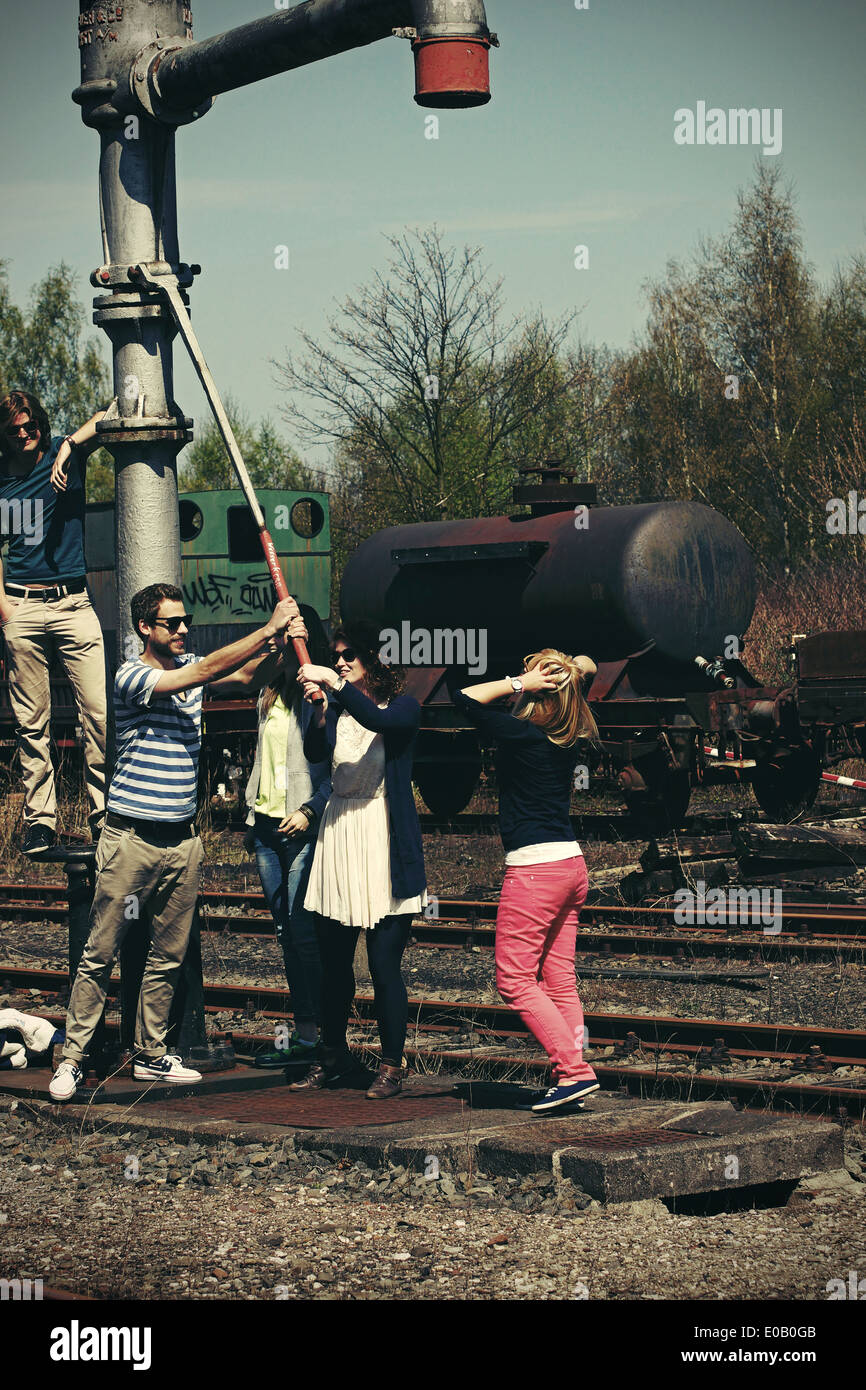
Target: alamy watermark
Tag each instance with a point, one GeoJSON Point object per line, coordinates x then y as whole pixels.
{"type": "Point", "coordinates": [77, 1343]}
{"type": "Point", "coordinates": [736, 126]}
{"type": "Point", "coordinates": [438, 646]}
{"type": "Point", "coordinates": [22, 518]}
{"type": "Point", "coordinates": [719, 906]}
{"type": "Point", "coordinates": [847, 516]}
{"type": "Point", "coordinates": [21, 1290]}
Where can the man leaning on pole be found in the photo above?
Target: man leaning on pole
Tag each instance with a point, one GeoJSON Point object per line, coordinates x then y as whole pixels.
{"type": "Point", "coordinates": [45, 610]}
{"type": "Point", "coordinates": [149, 855]}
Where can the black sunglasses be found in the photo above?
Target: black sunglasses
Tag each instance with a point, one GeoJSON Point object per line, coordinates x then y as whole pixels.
{"type": "Point", "coordinates": [174, 623]}
{"type": "Point", "coordinates": [348, 654]}
{"type": "Point", "coordinates": [29, 431]}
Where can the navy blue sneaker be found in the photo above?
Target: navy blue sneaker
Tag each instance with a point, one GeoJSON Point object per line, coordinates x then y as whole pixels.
{"type": "Point", "coordinates": [558, 1096]}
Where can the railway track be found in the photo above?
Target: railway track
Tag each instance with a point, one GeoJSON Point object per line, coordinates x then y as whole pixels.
{"type": "Point", "coordinates": [630, 1050]}
{"type": "Point", "coordinates": [809, 930]}
{"type": "Point", "coordinates": [588, 825]}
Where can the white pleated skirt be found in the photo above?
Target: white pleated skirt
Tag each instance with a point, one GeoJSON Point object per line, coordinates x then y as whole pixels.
{"type": "Point", "coordinates": [350, 880]}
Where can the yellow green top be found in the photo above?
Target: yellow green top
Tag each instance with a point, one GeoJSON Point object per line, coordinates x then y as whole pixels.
{"type": "Point", "coordinates": [271, 799]}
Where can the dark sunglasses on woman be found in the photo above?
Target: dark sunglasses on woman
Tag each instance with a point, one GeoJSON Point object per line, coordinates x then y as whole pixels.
{"type": "Point", "coordinates": [348, 654]}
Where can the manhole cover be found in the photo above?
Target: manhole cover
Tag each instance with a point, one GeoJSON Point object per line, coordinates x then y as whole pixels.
{"type": "Point", "coordinates": [277, 1105]}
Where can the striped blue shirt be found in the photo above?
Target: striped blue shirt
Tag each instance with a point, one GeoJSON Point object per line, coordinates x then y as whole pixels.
{"type": "Point", "coordinates": [158, 743]}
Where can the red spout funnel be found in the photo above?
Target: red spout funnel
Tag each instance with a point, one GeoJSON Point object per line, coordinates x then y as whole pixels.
{"type": "Point", "coordinates": [451, 72]}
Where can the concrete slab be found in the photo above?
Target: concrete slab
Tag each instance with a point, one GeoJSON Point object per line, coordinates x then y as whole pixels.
{"type": "Point", "coordinates": [619, 1149]}
{"type": "Point", "coordinates": [672, 1150]}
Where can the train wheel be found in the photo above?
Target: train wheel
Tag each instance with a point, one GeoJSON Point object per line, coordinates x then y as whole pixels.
{"type": "Point", "coordinates": [447, 781]}
{"type": "Point", "coordinates": [785, 784]}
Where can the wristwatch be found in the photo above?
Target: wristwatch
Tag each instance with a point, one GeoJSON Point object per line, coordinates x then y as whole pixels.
{"type": "Point", "coordinates": [516, 684]}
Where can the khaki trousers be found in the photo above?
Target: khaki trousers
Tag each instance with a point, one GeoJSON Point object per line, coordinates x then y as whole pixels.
{"type": "Point", "coordinates": [137, 880]}
{"type": "Point", "coordinates": [35, 634]}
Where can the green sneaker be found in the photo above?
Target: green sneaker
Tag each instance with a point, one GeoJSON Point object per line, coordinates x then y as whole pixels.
{"type": "Point", "coordinates": [295, 1052]}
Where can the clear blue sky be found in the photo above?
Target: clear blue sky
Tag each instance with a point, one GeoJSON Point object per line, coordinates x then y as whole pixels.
{"type": "Point", "coordinates": [576, 147]}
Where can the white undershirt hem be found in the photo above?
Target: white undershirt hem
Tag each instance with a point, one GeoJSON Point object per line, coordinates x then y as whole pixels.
{"type": "Point", "coordinates": [547, 853]}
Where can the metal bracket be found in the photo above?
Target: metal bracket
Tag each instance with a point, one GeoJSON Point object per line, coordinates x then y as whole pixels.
{"type": "Point", "coordinates": [144, 84]}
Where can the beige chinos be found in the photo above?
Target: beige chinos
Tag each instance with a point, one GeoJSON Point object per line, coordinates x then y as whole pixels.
{"type": "Point", "coordinates": [153, 880]}
{"type": "Point", "coordinates": [35, 633]}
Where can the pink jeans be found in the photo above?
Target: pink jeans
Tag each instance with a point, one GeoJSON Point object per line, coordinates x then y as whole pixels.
{"type": "Point", "coordinates": [536, 928]}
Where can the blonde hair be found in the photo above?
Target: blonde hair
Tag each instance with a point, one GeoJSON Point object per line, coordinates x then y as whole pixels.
{"type": "Point", "coordinates": [563, 713]}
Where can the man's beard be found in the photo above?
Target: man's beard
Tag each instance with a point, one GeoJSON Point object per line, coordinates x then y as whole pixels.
{"type": "Point", "coordinates": [163, 649]}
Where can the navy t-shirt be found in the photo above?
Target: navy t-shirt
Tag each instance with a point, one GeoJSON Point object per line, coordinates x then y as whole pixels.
{"type": "Point", "coordinates": [535, 777]}
{"type": "Point", "coordinates": [45, 528]}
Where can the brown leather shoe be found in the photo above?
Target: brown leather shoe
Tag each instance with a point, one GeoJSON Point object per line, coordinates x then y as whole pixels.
{"type": "Point", "coordinates": [388, 1083]}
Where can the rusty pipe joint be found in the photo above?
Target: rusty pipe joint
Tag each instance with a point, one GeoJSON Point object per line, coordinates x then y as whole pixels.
{"type": "Point", "coordinates": [450, 44]}
{"type": "Point", "coordinates": [144, 84]}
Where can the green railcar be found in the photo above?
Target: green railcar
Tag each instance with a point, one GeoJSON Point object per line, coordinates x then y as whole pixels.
{"type": "Point", "coordinates": [226, 587]}
{"type": "Point", "coordinates": [225, 580]}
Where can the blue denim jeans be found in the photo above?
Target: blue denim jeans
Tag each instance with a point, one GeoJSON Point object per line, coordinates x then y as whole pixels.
{"type": "Point", "coordinates": [284, 863]}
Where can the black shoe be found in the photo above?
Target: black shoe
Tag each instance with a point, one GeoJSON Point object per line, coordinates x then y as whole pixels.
{"type": "Point", "coordinates": [37, 839]}
{"type": "Point", "coordinates": [533, 1098]}
{"type": "Point", "coordinates": [324, 1073]}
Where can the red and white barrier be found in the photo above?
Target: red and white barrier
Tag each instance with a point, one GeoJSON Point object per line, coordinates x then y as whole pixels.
{"type": "Point", "coordinates": [856, 782]}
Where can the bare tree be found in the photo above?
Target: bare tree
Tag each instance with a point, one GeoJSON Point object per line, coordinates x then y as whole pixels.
{"type": "Point", "coordinates": [421, 383]}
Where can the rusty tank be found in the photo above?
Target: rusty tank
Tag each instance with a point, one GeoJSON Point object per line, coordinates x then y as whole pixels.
{"type": "Point", "coordinates": [675, 577]}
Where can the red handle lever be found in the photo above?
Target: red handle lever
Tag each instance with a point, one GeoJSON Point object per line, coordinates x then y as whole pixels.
{"type": "Point", "coordinates": [282, 590]}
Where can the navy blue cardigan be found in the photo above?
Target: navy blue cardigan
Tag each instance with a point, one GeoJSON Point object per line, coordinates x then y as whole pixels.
{"type": "Point", "coordinates": [398, 723]}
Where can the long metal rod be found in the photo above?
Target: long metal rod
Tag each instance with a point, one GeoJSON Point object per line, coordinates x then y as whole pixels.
{"type": "Point", "coordinates": [167, 286]}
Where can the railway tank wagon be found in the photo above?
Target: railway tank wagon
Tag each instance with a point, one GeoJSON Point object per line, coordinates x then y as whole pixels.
{"type": "Point", "coordinates": [660, 595]}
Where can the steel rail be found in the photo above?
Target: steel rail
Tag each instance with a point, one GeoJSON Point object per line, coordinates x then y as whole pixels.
{"type": "Point", "coordinates": [605, 1029]}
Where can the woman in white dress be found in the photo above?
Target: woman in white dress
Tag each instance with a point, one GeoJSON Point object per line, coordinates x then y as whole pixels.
{"type": "Point", "coordinates": [368, 867]}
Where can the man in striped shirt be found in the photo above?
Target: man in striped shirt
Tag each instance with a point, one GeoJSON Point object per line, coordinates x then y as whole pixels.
{"type": "Point", "coordinates": [149, 855]}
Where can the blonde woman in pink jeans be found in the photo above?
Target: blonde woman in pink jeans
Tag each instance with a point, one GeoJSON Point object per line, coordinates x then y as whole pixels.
{"type": "Point", "coordinates": [538, 747]}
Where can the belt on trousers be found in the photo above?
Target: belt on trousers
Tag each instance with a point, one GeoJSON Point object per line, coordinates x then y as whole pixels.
{"type": "Point", "coordinates": [153, 829]}
{"type": "Point", "coordinates": [75, 586]}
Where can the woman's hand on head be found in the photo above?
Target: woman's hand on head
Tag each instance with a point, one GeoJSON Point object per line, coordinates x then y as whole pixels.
{"type": "Point", "coordinates": [540, 679]}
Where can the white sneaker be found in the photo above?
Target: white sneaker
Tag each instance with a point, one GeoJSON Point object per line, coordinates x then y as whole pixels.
{"type": "Point", "coordinates": [65, 1081]}
{"type": "Point", "coordinates": [167, 1068]}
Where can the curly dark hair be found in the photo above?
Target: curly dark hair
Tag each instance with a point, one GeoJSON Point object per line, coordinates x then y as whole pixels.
{"type": "Point", "coordinates": [19, 403]}
{"type": "Point", "coordinates": [383, 682]}
{"type": "Point", "coordinates": [144, 606]}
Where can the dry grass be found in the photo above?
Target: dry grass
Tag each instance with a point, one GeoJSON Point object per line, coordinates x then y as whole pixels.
{"type": "Point", "coordinates": [816, 598]}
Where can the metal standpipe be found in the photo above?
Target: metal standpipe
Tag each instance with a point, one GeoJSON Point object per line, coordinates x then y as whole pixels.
{"type": "Point", "coordinates": [143, 76]}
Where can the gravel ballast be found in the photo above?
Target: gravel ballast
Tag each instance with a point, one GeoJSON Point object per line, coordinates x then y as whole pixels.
{"type": "Point", "coordinates": [136, 1215]}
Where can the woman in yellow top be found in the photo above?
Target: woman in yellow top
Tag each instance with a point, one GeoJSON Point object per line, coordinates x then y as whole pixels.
{"type": "Point", "coordinates": [285, 798]}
